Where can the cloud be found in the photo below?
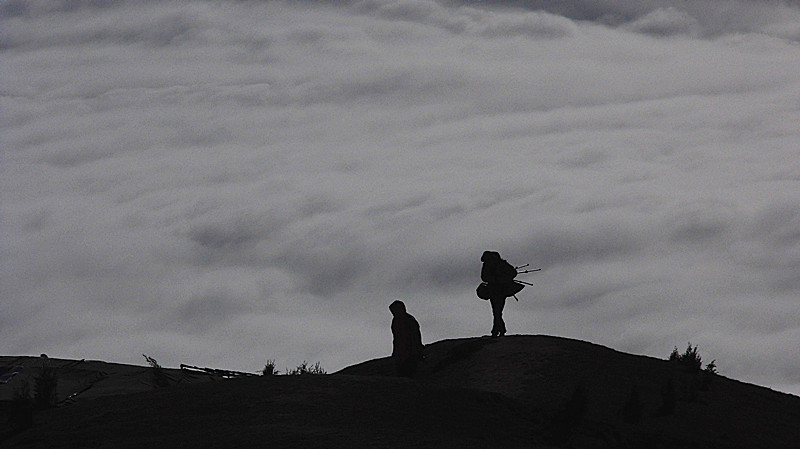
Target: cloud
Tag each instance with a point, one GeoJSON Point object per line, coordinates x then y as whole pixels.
{"type": "Point", "coordinates": [219, 184]}
{"type": "Point", "coordinates": [710, 18]}
{"type": "Point", "coordinates": [470, 20]}
{"type": "Point", "coordinates": [665, 22]}
{"type": "Point", "coordinates": [172, 26]}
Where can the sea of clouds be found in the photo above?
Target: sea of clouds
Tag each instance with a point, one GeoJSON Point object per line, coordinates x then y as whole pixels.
{"type": "Point", "coordinates": [223, 183]}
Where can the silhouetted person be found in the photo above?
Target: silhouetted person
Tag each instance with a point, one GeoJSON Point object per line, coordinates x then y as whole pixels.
{"type": "Point", "coordinates": [406, 340]}
{"type": "Point", "coordinates": [499, 277]}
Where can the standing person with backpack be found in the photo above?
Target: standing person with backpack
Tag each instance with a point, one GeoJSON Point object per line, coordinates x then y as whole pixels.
{"type": "Point", "coordinates": [498, 277]}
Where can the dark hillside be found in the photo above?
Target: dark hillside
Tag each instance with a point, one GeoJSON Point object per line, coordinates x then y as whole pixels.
{"type": "Point", "coordinates": [554, 374]}
{"type": "Point", "coordinates": [511, 392]}
{"type": "Point", "coordinates": [86, 379]}
{"type": "Point", "coordinates": [309, 411]}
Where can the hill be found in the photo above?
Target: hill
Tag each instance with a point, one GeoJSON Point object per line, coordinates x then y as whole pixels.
{"type": "Point", "coordinates": [512, 392]}
{"type": "Point", "coordinates": [623, 400]}
{"type": "Point", "coordinates": [87, 379]}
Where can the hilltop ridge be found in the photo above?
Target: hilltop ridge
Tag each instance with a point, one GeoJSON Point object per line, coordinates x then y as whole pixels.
{"type": "Point", "coordinates": [517, 391]}
{"type": "Point", "coordinates": [548, 372]}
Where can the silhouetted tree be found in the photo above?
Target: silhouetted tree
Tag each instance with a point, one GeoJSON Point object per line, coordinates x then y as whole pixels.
{"type": "Point", "coordinates": [708, 375]}
{"type": "Point", "coordinates": [690, 359]}
{"type": "Point", "coordinates": [691, 362]}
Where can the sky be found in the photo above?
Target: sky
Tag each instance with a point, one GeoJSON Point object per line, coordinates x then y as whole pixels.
{"type": "Point", "coordinates": [226, 183]}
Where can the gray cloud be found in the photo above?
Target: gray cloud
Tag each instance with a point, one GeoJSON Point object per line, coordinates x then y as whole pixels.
{"type": "Point", "coordinates": [666, 22]}
{"type": "Point", "coordinates": [222, 183]}
{"type": "Point", "coordinates": [669, 17]}
{"type": "Point", "coordinates": [471, 20]}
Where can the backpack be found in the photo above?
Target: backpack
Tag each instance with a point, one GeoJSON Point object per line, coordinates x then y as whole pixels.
{"type": "Point", "coordinates": [486, 291]}
{"type": "Point", "coordinates": [507, 271]}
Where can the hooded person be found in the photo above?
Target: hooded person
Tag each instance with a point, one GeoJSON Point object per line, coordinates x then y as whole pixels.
{"type": "Point", "coordinates": [407, 345]}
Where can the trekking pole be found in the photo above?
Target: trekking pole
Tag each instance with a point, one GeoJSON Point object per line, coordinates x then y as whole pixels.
{"type": "Point", "coordinates": [529, 271]}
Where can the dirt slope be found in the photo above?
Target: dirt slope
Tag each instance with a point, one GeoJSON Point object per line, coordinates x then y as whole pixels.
{"type": "Point", "coordinates": [331, 411]}
{"type": "Point", "coordinates": [85, 379]}
{"type": "Point", "coordinates": [548, 372]}
{"type": "Point", "coordinates": [512, 392]}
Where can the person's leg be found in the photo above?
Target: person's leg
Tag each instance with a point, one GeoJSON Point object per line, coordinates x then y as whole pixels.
{"type": "Point", "coordinates": [502, 322]}
{"type": "Point", "coordinates": [493, 302]}
{"type": "Point", "coordinates": [498, 325]}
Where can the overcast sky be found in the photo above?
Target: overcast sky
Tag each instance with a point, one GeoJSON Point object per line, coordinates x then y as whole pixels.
{"type": "Point", "coordinates": [223, 183]}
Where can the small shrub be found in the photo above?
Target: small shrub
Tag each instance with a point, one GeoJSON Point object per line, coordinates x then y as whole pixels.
{"type": "Point", "coordinates": [269, 369]}
{"type": "Point", "coordinates": [709, 373]}
{"type": "Point", "coordinates": [303, 368]}
{"type": "Point", "coordinates": [160, 378]}
{"type": "Point", "coordinates": [690, 359]}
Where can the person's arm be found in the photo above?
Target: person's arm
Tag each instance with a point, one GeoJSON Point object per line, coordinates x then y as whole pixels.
{"type": "Point", "coordinates": [418, 346]}
{"type": "Point", "coordinates": [488, 273]}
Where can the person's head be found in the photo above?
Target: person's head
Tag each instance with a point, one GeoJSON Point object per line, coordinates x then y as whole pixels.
{"type": "Point", "coordinates": [397, 308]}
{"type": "Point", "coordinates": [490, 255]}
